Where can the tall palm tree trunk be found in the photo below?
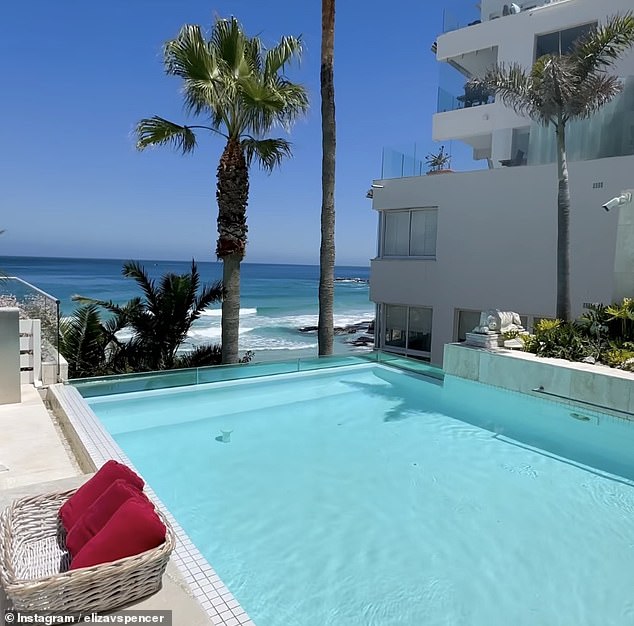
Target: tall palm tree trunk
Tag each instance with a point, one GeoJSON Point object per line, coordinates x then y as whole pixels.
{"type": "Point", "coordinates": [563, 226]}
{"type": "Point", "coordinates": [328, 131]}
{"type": "Point", "coordinates": [232, 194]}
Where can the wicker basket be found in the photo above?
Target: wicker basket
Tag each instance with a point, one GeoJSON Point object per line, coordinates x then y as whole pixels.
{"type": "Point", "coordinates": [34, 563]}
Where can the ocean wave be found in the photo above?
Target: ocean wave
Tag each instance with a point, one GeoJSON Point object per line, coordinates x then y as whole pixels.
{"type": "Point", "coordinates": [211, 332]}
{"type": "Point", "coordinates": [263, 332]}
{"type": "Point", "coordinates": [218, 312]}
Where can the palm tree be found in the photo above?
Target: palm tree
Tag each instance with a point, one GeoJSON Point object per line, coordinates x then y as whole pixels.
{"type": "Point", "coordinates": [325, 328]}
{"type": "Point", "coordinates": [159, 321]}
{"type": "Point", "coordinates": [558, 89]}
{"type": "Point", "coordinates": [241, 90]}
{"type": "Point", "coordinates": [83, 343]}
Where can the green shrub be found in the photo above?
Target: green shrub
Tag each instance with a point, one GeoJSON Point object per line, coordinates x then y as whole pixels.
{"type": "Point", "coordinates": [619, 357]}
{"type": "Point", "coordinates": [562, 340]}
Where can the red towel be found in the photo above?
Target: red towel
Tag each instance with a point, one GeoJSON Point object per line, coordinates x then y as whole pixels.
{"type": "Point", "coordinates": [133, 528]}
{"type": "Point", "coordinates": [79, 502]}
{"type": "Point", "coordinates": [98, 513]}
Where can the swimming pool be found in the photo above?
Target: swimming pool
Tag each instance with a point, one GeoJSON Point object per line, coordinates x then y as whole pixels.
{"type": "Point", "coordinates": [369, 495]}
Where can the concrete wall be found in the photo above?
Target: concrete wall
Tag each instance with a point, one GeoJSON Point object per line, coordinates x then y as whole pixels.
{"type": "Point", "coordinates": [496, 243]}
{"type": "Point", "coordinates": [9, 356]}
{"type": "Point", "coordinates": [514, 37]}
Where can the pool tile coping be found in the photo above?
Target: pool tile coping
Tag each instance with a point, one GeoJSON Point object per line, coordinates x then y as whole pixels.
{"type": "Point", "coordinates": [203, 581]}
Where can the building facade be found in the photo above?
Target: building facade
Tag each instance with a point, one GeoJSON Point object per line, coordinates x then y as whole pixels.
{"type": "Point", "coordinates": [453, 243]}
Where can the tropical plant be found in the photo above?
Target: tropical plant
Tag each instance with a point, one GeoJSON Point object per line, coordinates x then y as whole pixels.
{"type": "Point", "coordinates": [558, 89]}
{"type": "Point", "coordinates": [623, 313]}
{"type": "Point", "coordinates": [158, 323]}
{"type": "Point", "coordinates": [83, 343]}
{"type": "Point", "coordinates": [242, 91]}
{"type": "Point", "coordinates": [622, 358]}
{"type": "Point", "coordinates": [160, 320]}
{"type": "Point", "coordinates": [325, 325]}
{"type": "Point", "coordinates": [438, 161]}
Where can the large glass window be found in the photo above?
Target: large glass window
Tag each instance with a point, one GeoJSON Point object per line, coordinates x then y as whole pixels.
{"type": "Point", "coordinates": [408, 329]}
{"type": "Point", "coordinates": [410, 233]}
{"type": "Point", "coordinates": [419, 330]}
{"type": "Point", "coordinates": [397, 233]}
{"type": "Point", "coordinates": [561, 42]}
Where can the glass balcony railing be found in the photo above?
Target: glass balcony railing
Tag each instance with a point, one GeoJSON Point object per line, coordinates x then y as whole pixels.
{"type": "Point", "coordinates": [460, 14]}
{"type": "Point", "coordinates": [463, 13]}
{"type": "Point", "coordinates": [422, 158]}
{"type": "Point", "coordinates": [456, 90]}
{"type": "Point", "coordinates": [465, 99]}
{"type": "Point", "coordinates": [33, 303]}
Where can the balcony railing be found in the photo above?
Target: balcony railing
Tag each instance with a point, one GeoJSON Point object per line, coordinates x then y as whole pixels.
{"type": "Point", "coordinates": [416, 159]}
{"type": "Point", "coordinates": [469, 97]}
{"type": "Point", "coordinates": [35, 304]}
{"type": "Point", "coordinates": [463, 13]}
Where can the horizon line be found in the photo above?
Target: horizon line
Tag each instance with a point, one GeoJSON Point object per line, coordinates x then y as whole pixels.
{"type": "Point", "coordinates": [83, 258]}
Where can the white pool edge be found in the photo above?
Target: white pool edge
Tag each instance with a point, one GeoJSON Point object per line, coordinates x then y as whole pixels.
{"type": "Point", "coordinates": [94, 446]}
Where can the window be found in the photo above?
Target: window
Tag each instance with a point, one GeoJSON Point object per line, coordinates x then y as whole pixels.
{"type": "Point", "coordinates": [407, 329]}
{"type": "Point", "coordinates": [396, 326]}
{"type": "Point", "coordinates": [467, 321]}
{"type": "Point", "coordinates": [410, 233]}
{"type": "Point", "coordinates": [561, 42]}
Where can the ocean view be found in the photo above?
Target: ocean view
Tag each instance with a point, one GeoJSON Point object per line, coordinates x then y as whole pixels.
{"type": "Point", "coordinates": [276, 300]}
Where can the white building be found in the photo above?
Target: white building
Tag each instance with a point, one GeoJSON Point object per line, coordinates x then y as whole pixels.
{"type": "Point", "coordinates": [455, 244]}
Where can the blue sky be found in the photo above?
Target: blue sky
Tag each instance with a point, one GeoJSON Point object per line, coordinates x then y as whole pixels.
{"type": "Point", "coordinates": [77, 76]}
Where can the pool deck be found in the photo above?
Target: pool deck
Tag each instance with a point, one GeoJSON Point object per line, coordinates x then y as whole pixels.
{"type": "Point", "coordinates": [34, 460]}
{"type": "Point", "coordinates": [31, 450]}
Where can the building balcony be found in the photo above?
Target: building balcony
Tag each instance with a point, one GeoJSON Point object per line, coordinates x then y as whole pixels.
{"type": "Point", "coordinates": [418, 159]}
{"type": "Point", "coordinates": [460, 14]}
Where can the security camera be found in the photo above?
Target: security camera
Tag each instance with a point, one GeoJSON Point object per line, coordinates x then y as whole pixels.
{"type": "Point", "coordinates": [624, 198]}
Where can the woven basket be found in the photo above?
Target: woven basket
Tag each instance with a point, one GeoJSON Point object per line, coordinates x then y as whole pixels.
{"type": "Point", "coordinates": [34, 563]}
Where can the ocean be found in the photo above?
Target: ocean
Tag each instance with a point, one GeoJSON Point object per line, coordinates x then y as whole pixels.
{"type": "Point", "coordinates": [276, 300]}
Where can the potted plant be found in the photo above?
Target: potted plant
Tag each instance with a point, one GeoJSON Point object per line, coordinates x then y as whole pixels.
{"type": "Point", "coordinates": [438, 162]}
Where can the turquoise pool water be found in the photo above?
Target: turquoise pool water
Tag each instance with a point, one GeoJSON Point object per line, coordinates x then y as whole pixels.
{"type": "Point", "coordinates": [366, 495]}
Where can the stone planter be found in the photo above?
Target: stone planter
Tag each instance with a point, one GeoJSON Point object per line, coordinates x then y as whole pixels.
{"type": "Point", "coordinates": [597, 385]}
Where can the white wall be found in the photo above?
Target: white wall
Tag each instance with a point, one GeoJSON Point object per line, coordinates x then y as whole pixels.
{"type": "Point", "coordinates": [514, 36]}
{"type": "Point", "coordinates": [9, 356]}
{"type": "Point", "coordinates": [496, 245]}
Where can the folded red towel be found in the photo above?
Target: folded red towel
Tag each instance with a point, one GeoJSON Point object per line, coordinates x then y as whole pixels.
{"type": "Point", "coordinates": [133, 528]}
{"type": "Point", "coordinates": [79, 502]}
{"type": "Point", "coordinates": [98, 513]}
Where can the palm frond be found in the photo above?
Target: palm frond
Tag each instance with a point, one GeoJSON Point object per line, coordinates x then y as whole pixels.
{"type": "Point", "coordinates": [134, 270]}
{"type": "Point", "coordinates": [209, 295]}
{"type": "Point", "coordinates": [190, 57]}
{"type": "Point", "coordinates": [554, 85]}
{"type": "Point", "coordinates": [268, 152]}
{"type": "Point", "coordinates": [109, 305]}
{"type": "Point", "coordinates": [295, 99]}
{"type": "Point", "coordinates": [276, 59]}
{"type": "Point", "coordinates": [81, 341]}
{"type": "Point", "coordinates": [253, 54]}
{"type": "Point", "coordinates": [229, 42]}
{"type": "Point", "coordinates": [201, 356]}
{"type": "Point", "coordinates": [603, 47]}
{"type": "Point", "coordinates": [513, 86]}
{"type": "Point", "coordinates": [157, 131]}
{"type": "Point", "coordinates": [594, 93]}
